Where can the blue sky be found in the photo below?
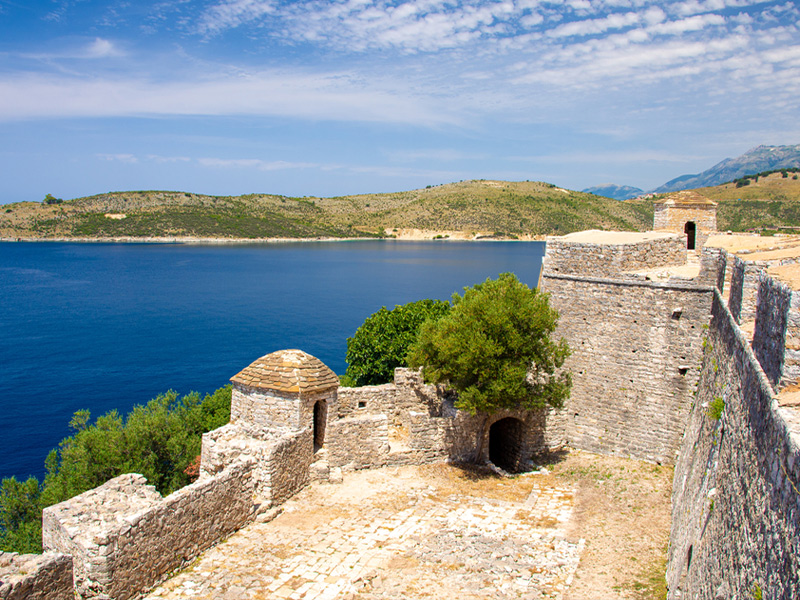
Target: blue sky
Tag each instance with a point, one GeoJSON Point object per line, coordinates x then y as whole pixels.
{"type": "Point", "coordinates": [348, 96]}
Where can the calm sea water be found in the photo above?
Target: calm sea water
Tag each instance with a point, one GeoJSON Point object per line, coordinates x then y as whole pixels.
{"type": "Point", "coordinates": [108, 326]}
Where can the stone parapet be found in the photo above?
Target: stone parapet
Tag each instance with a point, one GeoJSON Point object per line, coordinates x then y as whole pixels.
{"type": "Point", "coordinates": [358, 442]}
{"type": "Point", "coordinates": [745, 278]}
{"type": "Point", "coordinates": [124, 537]}
{"type": "Point", "coordinates": [407, 392]}
{"type": "Point", "coordinates": [280, 461]}
{"type": "Point", "coordinates": [563, 256]}
{"type": "Point", "coordinates": [772, 319]}
{"type": "Point", "coordinates": [35, 576]}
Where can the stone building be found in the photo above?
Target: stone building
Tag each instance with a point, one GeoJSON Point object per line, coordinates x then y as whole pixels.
{"type": "Point", "coordinates": [686, 213]}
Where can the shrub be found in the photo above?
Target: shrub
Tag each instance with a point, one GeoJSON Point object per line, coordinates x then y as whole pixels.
{"type": "Point", "coordinates": [715, 408]}
{"type": "Point", "coordinates": [381, 343]}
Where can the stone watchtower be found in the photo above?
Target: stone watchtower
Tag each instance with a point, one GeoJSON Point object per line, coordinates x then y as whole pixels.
{"type": "Point", "coordinates": [686, 213]}
{"type": "Point", "coordinates": [286, 391]}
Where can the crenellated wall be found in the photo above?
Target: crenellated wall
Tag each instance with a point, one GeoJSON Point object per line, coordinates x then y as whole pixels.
{"type": "Point", "coordinates": [736, 503]}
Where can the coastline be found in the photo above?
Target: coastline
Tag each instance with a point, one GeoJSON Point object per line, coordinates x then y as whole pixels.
{"type": "Point", "coordinates": [415, 235]}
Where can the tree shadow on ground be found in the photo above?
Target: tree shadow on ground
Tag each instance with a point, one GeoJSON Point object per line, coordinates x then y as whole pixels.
{"type": "Point", "coordinates": [549, 458]}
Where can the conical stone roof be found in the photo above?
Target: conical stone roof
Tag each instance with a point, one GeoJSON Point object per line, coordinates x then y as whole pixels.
{"type": "Point", "coordinates": [291, 371]}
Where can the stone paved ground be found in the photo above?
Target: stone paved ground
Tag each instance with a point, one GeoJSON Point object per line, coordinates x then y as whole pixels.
{"type": "Point", "coordinates": [434, 531]}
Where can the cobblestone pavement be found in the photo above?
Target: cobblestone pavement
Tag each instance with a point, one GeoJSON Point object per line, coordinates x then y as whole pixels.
{"type": "Point", "coordinates": [407, 532]}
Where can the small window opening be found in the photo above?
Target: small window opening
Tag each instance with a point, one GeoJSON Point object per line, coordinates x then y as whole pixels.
{"type": "Point", "coordinates": [683, 370]}
{"type": "Point", "coordinates": [689, 557]}
{"type": "Point", "coordinates": [362, 404]}
{"type": "Point", "coordinates": [676, 313]}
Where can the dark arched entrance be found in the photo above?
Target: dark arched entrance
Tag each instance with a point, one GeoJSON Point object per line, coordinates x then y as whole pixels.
{"type": "Point", "coordinates": [690, 229]}
{"type": "Point", "coordinates": [506, 443]}
{"type": "Point", "coordinates": [320, 418]}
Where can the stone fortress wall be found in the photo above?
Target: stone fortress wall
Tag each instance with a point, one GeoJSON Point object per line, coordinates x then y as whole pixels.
{"type": "Point", "coordinates": [653, 348]}
{"type": "Point", "coordinates": [736, 493]}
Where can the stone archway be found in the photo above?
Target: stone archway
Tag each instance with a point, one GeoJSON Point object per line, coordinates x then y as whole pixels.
{"type": "Point", "coordinates": [320, 420]}
{"type": "Point", "coordinates": [506, 443]}
{"type": "Point", "coordinates": [690, 229]}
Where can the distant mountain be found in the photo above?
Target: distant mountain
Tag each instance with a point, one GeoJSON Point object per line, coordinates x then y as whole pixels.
{"type": "Point", "coordinates": [757, 160]}
{"type": "Point", "coordinates": [617, 192]}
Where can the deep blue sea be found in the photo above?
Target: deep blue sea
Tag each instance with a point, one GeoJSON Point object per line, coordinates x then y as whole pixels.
{"type": "Point", "coordinates": [109, 326]}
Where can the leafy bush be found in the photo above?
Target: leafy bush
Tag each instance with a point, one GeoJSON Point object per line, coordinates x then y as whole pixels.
{"type": "Point", "coordinates": [381, 343]}
{"type": "Point", "coordinates": [160, 440]}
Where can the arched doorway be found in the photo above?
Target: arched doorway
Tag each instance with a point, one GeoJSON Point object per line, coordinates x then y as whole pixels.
{"type": "Point", "coordinates": [320, 419]}
{"type": "Point", "coordinates": [690, 229]}
{"type": "Point", "coordinates": [506, 443]}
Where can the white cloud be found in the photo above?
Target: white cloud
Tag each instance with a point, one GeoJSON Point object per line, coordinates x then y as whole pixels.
{"type": "Point", "coordinates": [696, 23]}
{"type": "Point", "coordinates": [101, 48]}
{"type": "Point", "coordinates": [98, 48]}
{"type": "Point", "coordinates": [123, 158]}
{"type": "Point", "coordinates": [254, 163]}
{"type": "Point", "coordinates": [332, 96]}
{"type": "Point", "coordinates": [595, 26]}
{"type": "Point", "coordinates": [168, 159]}
{"type": "Point", "coordinates": [232, 13]}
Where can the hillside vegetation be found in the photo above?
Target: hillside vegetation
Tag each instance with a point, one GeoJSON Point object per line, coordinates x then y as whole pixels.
{"type": "Point", "coordinates": [486, 207]}
{"type": "Point", "coordinates": [769, 202]}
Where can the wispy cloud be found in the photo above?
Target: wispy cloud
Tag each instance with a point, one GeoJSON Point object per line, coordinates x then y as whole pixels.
{"type": "Point", "coordinates": [129, 159]}
{"type": "Point", "coordinates": [254, 163]}
{"type": "Point", "coordinates": [98, 48]}
{"type": "Point", "coordinates": [330, 96]}
{"type": "Point", "coordinates": [232, 13]}
{"type": "Point", "coordinates": [622, 158]}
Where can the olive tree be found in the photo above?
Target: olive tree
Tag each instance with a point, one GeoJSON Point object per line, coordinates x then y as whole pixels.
{"type": "Point", "coordinates": [496, 349]}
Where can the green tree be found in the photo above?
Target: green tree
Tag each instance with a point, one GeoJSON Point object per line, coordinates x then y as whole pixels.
{"type": "Point", "coordinates": [159, 440]}
{"type": "Point", "coordinates": [496, 349]}
{"type": "Point", "coordinates": [383, 340]}
{"type": "Point", "coordinates": [50, 199]}
{"type": "Point", "coordinates": [20, 516]}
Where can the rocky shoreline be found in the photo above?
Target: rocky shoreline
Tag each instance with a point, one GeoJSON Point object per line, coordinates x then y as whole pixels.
{"type": "Point", "coordinates": [404, 235]}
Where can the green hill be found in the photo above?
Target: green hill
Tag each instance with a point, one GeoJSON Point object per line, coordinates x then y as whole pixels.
{"type": "Point", "coordinates": [490, 207]}
{"type": "Point", "coordinates": [770, 202]}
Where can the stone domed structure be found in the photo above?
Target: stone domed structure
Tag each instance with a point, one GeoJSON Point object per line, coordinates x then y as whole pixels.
{"type": "Point", "coordinates": [288, 390]}
{"type": "Point", "coordinates": [288, 371]}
